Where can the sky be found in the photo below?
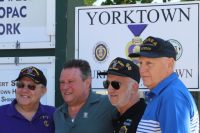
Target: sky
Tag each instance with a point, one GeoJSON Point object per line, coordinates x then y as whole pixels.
{"type": "Point", "coordinates": [98, 2]}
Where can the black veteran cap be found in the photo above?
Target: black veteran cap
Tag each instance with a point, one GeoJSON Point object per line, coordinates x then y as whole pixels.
{"type": "Point", "coordinates": [154, 48]}
{"type": "Point", "coordinates": [123, 67]}
{"type": "Point", "coordinates": [34, 73]}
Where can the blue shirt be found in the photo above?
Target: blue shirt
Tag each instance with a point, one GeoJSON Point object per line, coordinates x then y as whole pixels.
{"type": "Point", "coordinates": [171, 109]}
{"type": "Point", "coordinates": [12, 121]}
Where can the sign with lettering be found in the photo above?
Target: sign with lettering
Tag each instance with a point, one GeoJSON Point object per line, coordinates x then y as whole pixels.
{"type": "Point", "coordinates": [107, 32]}
{"type": "Point", "coordinates": [10, 68]}
{"type": "Point", "coordinates": [27, 24]}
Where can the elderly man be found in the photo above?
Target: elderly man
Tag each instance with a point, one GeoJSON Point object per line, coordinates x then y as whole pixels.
{"type": "Point", "coordinates": [26, 114]}
{"type": "Point", "coordinates": [171, 108]}
{"type": "Point", "coordinates": [122, 83]}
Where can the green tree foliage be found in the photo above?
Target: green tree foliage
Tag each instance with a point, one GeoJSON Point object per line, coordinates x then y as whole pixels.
{"type": "Point", "coordinates": [89, 2]}
{"type": "Point", "coordinates": [189, 0]}
{"type": "Point", "coordinates": [118, 2]}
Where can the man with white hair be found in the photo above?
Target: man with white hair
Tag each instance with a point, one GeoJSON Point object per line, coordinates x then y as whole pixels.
{"type": "Point", "coordinates": [171, 107]}
{"type": "Point", "coordinates": [122, 83]}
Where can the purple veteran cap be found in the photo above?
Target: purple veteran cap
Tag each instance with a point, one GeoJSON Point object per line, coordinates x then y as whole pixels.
{"type": "Point", "coordinates": [34, 73]}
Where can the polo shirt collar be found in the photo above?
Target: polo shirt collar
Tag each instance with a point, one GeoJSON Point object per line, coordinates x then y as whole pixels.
{"type": "Point", "coordinates": [92, 98]}
{"type": "Point", "coordinates": [12, 111]}
{"type": "Point", "coordinates": [162, 85]}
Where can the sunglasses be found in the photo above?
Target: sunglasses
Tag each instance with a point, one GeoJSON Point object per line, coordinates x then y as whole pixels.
{"type": "Point", "coordinates": [22, 85]}
{"type": "Point", "coordinates": [114, 84]}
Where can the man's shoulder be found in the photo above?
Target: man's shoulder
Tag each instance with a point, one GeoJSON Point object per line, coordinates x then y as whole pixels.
{"type": "Point", "coordinates": [4, 108]}
{"type": "Point", "coordinates": [99, 97]}
{"type": "Point", "coordinates": [61, 109]}
{"type": "Point", "coordinates": [48, 108]}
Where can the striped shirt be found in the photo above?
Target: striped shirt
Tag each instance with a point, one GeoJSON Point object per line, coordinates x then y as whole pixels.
{"type": "Point", "coordinates": [171, 109]}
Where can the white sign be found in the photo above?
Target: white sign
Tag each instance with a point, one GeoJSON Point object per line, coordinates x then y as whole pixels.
{"type": "Point", "coordinates": [10, 68]}
{"type": "Point", "coordinates": [27, 24]}
{"type": "Point", "coordinates": [107, 32]}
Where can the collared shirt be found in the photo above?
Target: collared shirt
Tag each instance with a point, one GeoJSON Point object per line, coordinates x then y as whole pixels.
{"type": "Point", "coordinates": [94, 117]}
{"type": "Point", "coordinates": [128, 121]}
{"type": "Point", "coordinates": [171, 109]}
{"type": "Point", "coordinates": [11, 121]}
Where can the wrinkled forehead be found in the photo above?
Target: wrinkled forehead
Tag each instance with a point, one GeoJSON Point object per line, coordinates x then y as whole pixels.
{"type": "Point", "coordinates": [112, 77]}
{"type": "Point", "coordinates": [152, 60]}
{"type": "Point", "coordinates": [70, 74]}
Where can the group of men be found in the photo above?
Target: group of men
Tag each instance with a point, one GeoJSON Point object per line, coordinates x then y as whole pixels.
{"type": "Point", "coordinates": [170, 109]}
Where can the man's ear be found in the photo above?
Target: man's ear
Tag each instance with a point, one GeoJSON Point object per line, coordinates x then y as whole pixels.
{"type": "Point", "coordinates": [88, 82]}
{"type": "Point", "coordinates": [44, 90]}
{"type": "Point", "coordinates": [135, 86]}
{"type": "Point", "coordinates": [171, 62]}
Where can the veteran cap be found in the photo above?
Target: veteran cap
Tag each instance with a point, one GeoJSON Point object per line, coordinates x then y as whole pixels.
{"type": "Point", "coordinates": [123, 67]}
{"type": "Point", "coordinates": [154, 48]}
{"type": "Point", "coordinates": [34, 73]}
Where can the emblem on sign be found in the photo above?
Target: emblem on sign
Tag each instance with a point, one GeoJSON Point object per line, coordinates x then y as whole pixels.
{"type": "Point", "coordinates": [134, 45]}
{"type": "Point", "coordinates": [100, 52]}
{"type": "Point", "coordinates": [178, 47]}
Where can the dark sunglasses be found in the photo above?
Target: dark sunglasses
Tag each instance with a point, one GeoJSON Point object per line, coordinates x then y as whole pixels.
{"type": "Point", "coordinates": [22, 85]}
{"type": "Point", "coordinates": [114, 84]}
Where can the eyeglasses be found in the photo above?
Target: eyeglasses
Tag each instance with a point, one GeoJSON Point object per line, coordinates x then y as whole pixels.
{"type": "Point", "coordinates": [22, 85]}
{"type": "Point", "coordinates": [114, 84]}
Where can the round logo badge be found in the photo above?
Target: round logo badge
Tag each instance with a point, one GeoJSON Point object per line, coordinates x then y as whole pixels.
{"type": "Point", "coordinates": [123, 129]}
{"type": "Point", "coordinates": [178, 47]}
{"type": "Point", "coordinates": [133, 47]}
{"type": "Point", "coordinates": [100, 52]}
